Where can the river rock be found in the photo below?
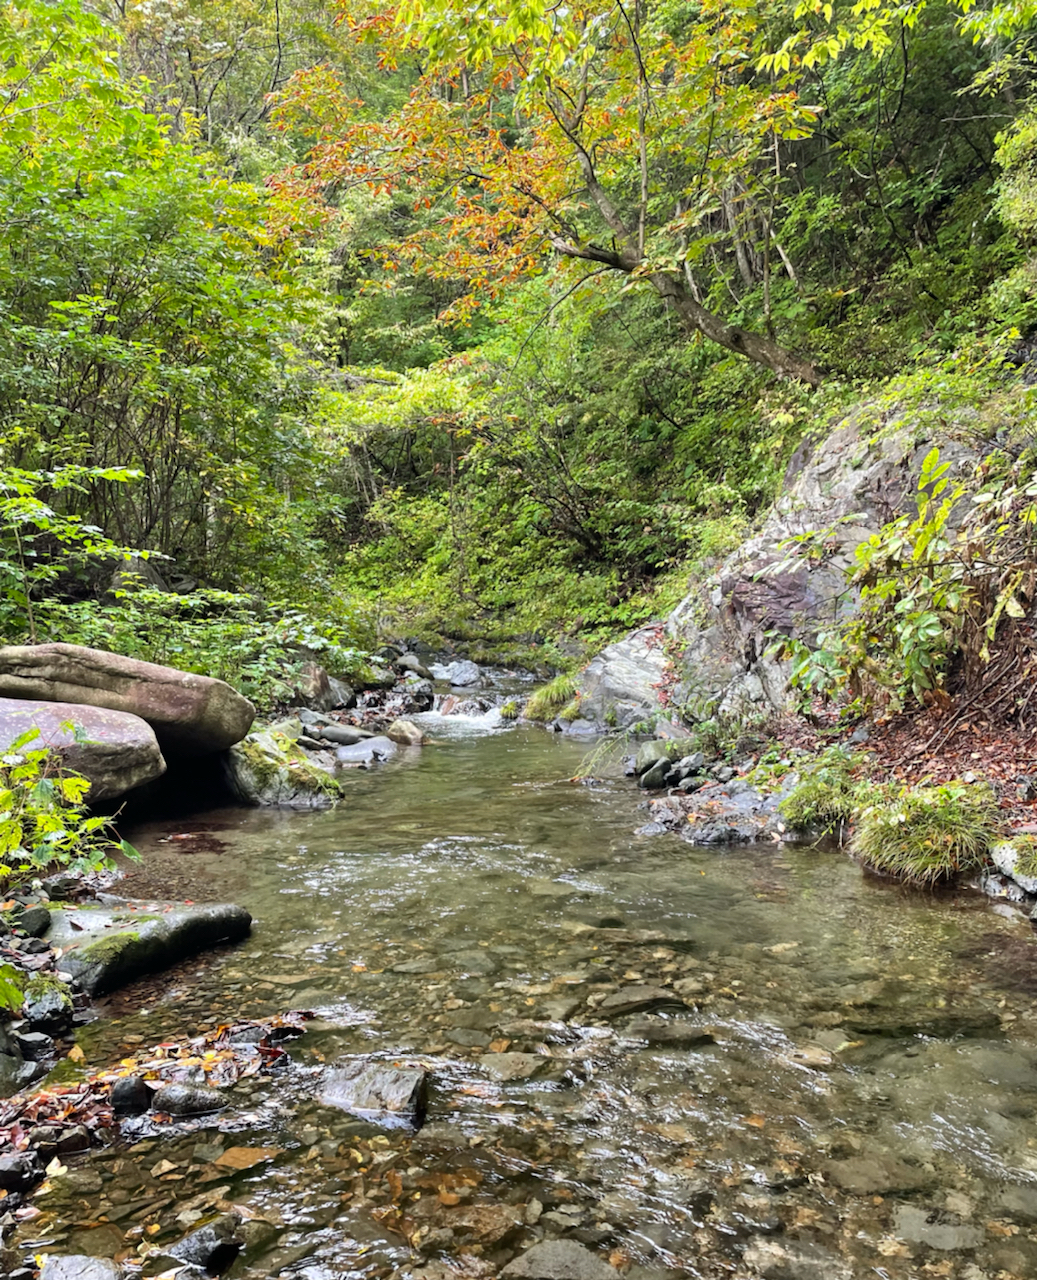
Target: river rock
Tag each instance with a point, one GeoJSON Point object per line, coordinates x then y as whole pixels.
{"type": "Point", "coordinates": [513, 1066]}
{"type": "Point", "coordinates": [875, 1175]}
{"type": "Point", "coordinates": [113, 750]}
{"type": "Point", "coordinates": [270, 770]}
{"type": "Point", "coordinates": [377, 1091]}
{"type": "Point", "coordinates": [371, 751]}
{"type": "Point", "coordinates": [212, 1247]}
{"type": "Point", "coordinates": [47, 1006]}
{"type": "Point", "coordinates": [654, 779]}
{"type": "Point", "coordinates": [189, 713]}
{"type": "Point", "coordinates": [618, 688]}
{"type": "Point", "coordinates": [916, 1225]}
{"type": "Point", "coordinates": [187, 1100]}
{"type": "Point", "coordinates": [1005, 856]}
{"type": "Point", "coordinates": [559, 1260]}
{"type": "Point", "coordinates": [20, 1171]}
{"type": "Point", "coordinates": [79, 1267]}
{"type": "Point", "coordinates": [412, 663]}
{"type": "Point", "coordinates": [108, 944]}
{"type": "Point", "coordinates": [406, 733]}
{"type": "Point", "coordinates": [634, 999]}
{"type": "Point", "coordinates": [789, 1260]}
{"type": "Point", "coordinates": [669, 1034]}
{"type": "Point", "coordinates": [460, 675]}
{"type": "Point", "coordinates": [35, 921]}
{"type": "Point", "coordinates": [649, 754]}
{"type": "Point", "coordinates": [420, 693]}
{"type": "Point", "coordinates": [130, 1096]}
{"type": "Point", "coordinates": [343, 735]}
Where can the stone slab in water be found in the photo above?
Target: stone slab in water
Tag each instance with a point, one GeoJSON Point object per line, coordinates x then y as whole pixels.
{"type": "Point", "coordinates": [187, 1100]}
{"type": "Point", "coordinates": [914, 1225]}
{"type": "Point", "coordinates": [939, 1023]}
{"type": "Point", "coordinates": [513, 1066]}
{"type": "Point", "coordinates": [779, 1260]}
{"type": "Point", "coordinates": [79, 1267]}
{"type": "Point", "coordinates": [875, 1175]}
{"type": "Point", "coordinates": [673, 1035]}
{"type": "Point", "coordinates": [115, 751]}
{"type": "Point", "coordinates": [560, 1260]}
{"type": "Point", "coordinates": [634, 999]}
{"type": "Point", "coordinates": [109, 944]}
{"type": "Point", "coordinates": [189, 713]}
{"type": "Point", "coordinates": [390, 1095]}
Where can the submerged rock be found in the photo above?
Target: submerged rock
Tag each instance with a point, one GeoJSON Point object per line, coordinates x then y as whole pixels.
{"type": "Point", "coordinates": [189, 713]}
{"type": "Point", "coordinates": [213, 1247]}
{"type": "Point", "coordinates": [369, 751]}
{"type": "Point", "coordinates": [376, 1091]}
{"type": "Point", "coordinates": [113, 750]}
{"type": "Point", "coordinates": [559, 1260]}
{"type": "Point", "coordinates": [634, 999]}
{"type": "Point", "coordinates": [108, 944]}
{"type": "Point", "coordinates": [79, 1267]}
{"type": "Point", "coordinates": [187, 1100]}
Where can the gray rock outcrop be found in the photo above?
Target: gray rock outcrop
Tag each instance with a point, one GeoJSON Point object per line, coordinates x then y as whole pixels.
{"type": "Point", "coordinates": [190, 714]}
{"type": "Point", "coordinates": [114, 750]}
{"type": "Point", "coordinates": [269, 768]}
{"type": "Point", "coordinates": [858, 478]}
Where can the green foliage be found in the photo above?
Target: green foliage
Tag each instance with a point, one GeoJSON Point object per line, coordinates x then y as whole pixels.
{"type": "Point", "coordinates": [43, 818]}
{"type": "Point", "coordinates": [925, 835]}
{"type": "Point", "coordinates": [11, 994]}
{"type": "Point", "coordinates": [549, 700]}
{"type": "Point", "coordinates": [827, 794]}
{"type": "Point", "coordinates": [259, 649]}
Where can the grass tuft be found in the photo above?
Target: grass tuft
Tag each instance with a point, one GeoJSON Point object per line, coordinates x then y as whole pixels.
{"type": "Point", "coordinates": [550, 698]}
{"type": "Point", "coordinates": [928, 834]}
{"type": "Point", "coordinates": [826, 796]}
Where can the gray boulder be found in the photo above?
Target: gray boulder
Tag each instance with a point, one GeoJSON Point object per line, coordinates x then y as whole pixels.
{"type": "Point", "coordinates": [1005, 855]}
{"type": "Point", "coordinates": [106, 945]}
{"type": "Point", "coordinates": [190, 714]}
{"type": "Point", "coordinates": [618, 687]}
{"type": "Point", "coordinates": [114, 750]}
{"type": "Point", "coordinates": [461, 674]}
{"type": "Point", "coordinates": [406, 733]}
{"type": "Point", "coordinates": [318, 690]}
{"type": "Point", "coordinates": [369, 751]}
{"type": "Point", "coordinates": [412, 663]}
{"type": "Point", "coordinates": [187, 1100]}
{"type": "Point", "coordinates": [47, 1006]}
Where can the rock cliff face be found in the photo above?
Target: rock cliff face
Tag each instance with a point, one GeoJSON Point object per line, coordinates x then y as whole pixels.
{"type": "Point", "coordinates": [853, 481]}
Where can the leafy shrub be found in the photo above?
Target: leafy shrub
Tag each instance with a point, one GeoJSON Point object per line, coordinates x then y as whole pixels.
{"type": "Point", "coordinates": [826, 795]}
{"type": "Point", "coordinates": [550, 698]}
{"type": "Point", "coordinates": [927, 834]}
{"type": "Point", "coordinates": [43, 820]}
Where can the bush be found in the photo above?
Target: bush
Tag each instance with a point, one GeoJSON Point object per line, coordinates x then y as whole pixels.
{"type": "Point", "coordinates": [927, 834]}
{"type": "Point", "coordinates": [550, 698]}
{"type": "Point", "coordinates": [826, 795]}
{"type": "Point", "coordinates": [43, 820]}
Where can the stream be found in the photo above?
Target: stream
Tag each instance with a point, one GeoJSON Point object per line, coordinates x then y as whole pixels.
{"type": "Point", "coordinates": [845, 1087]}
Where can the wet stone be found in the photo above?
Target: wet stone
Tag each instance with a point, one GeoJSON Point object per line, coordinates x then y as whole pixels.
{"type": "Point", "coordinates": [34, 1045]}
{"type": "Point", "coordinates": [79, 1267]}
{"type": "Point", "coordinates": [373, 1090]}
{"type": "Point", "coordinates": [18, 1172]}
{"type": "Point", "coordinates": [467, 1038]}
{"type": "Point", "coordinates": [672, 1035]}
{"type": "Point", "coordinates": [130, 1096]}
{"type": "Point", "coordinates": [513, 1066]}
{"type": "Point", "coordinates": [874, 1175]}
{"type": "Point", "coordinates": [778, 1260]}
{"type": "Point", "coordinates": [634, 999]}
{"type": "Point", "coordinates": [560, 1260]}
{"type": "Point", "coordinates": [35, 921]}
{"type": "Point", "coordinates": [928, 1227]}
{"type": "Point", "coordinates": [187, 1100]}
{"type": "Point", "coordinates": [213, 1247]}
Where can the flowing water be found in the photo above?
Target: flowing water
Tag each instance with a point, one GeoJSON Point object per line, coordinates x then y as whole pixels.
{"type": "Point", "coordinates": [848, 1088]}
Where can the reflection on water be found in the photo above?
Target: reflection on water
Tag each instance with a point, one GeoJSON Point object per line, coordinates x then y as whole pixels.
{"type": "Point", "coordinates": [833, 1078]}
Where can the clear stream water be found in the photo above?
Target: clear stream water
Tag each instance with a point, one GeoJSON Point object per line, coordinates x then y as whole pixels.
{"type": "Point", "coordinates": [865, 1108]}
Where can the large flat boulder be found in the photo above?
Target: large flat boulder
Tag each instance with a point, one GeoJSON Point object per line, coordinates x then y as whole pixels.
{"type": "Point", "coordinates": [105, 945]}
{"type": "Point", "coordinates": [189, 713]}
{"type": "Point", "coordinates": [620, 687]}
{"type": "Point", "coordinates": [114, 750]}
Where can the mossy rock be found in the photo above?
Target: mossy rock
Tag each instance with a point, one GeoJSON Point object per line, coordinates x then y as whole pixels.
{"type": "Point", "coordinates": [105, 947]}
{"type": "Point", "coordinates": [269, 769]}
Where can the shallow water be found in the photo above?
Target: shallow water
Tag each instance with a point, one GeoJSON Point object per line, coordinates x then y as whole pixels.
{"type": "Point", "coordinates": [866, 1107]}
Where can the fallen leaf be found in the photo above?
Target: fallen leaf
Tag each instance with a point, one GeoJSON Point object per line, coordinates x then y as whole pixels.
{"type": "Point", "coordinates": [76, 1053]}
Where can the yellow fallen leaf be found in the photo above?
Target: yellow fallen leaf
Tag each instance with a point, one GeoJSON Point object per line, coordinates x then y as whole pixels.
{"type": "Point", "coordinates": [757, 1122]}
{"type": "Point", "coordinates": [76, 1053]}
